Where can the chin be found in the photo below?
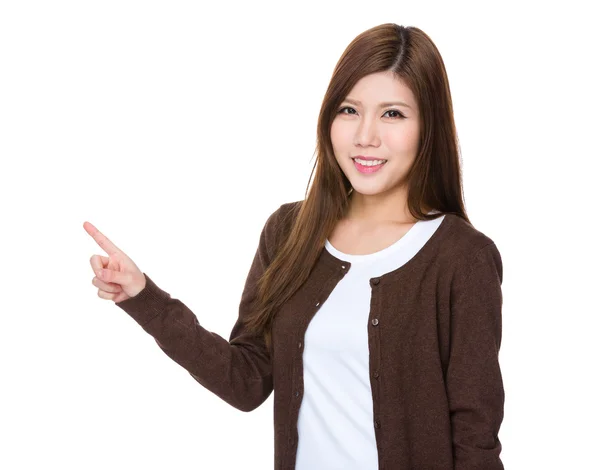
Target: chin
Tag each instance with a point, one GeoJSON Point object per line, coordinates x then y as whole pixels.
{"type": "Point", "coordinates": [368, 190]}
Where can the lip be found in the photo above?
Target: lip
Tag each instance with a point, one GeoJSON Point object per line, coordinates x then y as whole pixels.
{"type": "Point", "coordinates": [363, 157]}
{"type": "Point", "coordinates": [368, 169]}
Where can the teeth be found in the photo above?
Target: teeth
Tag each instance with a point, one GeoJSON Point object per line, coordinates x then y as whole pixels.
{"type": "Point", "coordinates": [369, 162]}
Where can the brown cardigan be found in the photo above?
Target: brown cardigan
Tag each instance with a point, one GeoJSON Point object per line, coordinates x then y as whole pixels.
{"type": "Point", "coordinates": [434, 336]}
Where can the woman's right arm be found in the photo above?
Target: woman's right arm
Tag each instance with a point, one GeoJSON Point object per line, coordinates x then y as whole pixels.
{"type": "Point", "coordinates": [239, 370]}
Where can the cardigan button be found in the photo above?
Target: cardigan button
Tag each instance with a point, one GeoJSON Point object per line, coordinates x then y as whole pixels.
{"type": "Point", "coordinates": [297, 393]}
{"type": "Point", "coordinates": [375, 281]}
{"type": "Point", "coordinates": [376, 375]}
{"type": "Point", "coordinates": [377, 424]}
{"type": "Point", "coordinates": [375, 322]}
{"type": "Point", "coordinates": [299, 344]}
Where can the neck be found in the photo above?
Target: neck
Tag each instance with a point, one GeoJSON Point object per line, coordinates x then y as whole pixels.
{"type": "Point", "coordinates": [379, 208]}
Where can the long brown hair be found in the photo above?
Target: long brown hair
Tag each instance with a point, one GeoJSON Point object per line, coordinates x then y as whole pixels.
{"type": "Point", "coordinates": [433, 182]}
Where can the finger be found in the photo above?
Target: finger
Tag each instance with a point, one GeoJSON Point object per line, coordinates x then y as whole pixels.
{"type": "Point", "coordinates": [99, 262]}
{"type": "Point", "coordinates": [108, 287]}
{"type": "Point", "coordinates": [108, 246]}
{"type": "Point", "coordinates": [108, 275]}
{"type": "Point", "coordinates": [106, 295]}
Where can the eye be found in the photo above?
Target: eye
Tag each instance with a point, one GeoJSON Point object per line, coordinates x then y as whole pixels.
{"type": "Point", "coordinates": [398, 115]}
{"type": "Point", "coordinates": [342, 109]}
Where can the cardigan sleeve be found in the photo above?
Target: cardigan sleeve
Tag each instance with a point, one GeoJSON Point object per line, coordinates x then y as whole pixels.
{"type": "Point", "coordinates": [473, 379]}
{"type": "Point", "coordinates": [239, 370]}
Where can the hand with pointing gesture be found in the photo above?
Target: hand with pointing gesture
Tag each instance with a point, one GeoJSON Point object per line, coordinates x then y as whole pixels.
{"type": "Point", "coordinates": [117, 276]}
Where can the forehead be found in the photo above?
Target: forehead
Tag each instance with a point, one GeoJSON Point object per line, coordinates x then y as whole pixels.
{"type": "Point", "coordinates": [381, 87]}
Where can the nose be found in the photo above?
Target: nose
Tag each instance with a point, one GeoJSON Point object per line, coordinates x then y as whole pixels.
{"type": "Point", "coordinates": [367, 133]}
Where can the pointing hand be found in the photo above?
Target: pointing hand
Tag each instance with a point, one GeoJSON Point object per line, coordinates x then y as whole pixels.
{"type": "Point", "coordinates": [117, 276]}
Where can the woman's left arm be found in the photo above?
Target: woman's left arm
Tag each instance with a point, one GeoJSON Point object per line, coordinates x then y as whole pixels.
{"type": "Point", "coordinates": [473, 379]}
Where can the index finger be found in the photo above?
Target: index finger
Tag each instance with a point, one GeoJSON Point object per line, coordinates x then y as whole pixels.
{"type": "Point", "coordinates": [108, 246]}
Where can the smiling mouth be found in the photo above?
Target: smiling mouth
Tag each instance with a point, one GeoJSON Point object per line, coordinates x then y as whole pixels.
{"type": "Point", "coordinates": [370, 168]}
{"type": "Point", "coordinates": [369, 163]}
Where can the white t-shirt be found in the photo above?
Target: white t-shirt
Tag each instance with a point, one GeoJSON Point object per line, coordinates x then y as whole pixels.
{"type": "Point", "coordinates": [335, 424]}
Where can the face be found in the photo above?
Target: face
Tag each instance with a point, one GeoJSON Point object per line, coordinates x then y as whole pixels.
{"type": "Point", "coordinates": [367, 125]}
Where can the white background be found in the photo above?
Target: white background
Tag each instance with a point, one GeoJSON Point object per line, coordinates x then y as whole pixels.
{"type": "Point", "coordinates": [177, 128]}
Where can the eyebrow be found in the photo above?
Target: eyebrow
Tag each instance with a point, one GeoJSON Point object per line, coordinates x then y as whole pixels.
{"type": "Point", "coordinates": [382, 105]}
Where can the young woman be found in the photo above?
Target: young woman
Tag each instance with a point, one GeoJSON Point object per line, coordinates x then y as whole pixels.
{"type": "Point", "coordinates": [372, 308]}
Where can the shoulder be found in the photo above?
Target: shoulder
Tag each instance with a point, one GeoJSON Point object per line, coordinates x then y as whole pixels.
{"type": "Point", "coordinates": [283, 216]}
{"type": "Point", "coordinates": [458, 245]}
{"type": "Point", "coordinates": [464, 245]}
{"type": "Point", "coordinates": [465, 236]}
{"type": "Point", "coordinates": [280, 223]}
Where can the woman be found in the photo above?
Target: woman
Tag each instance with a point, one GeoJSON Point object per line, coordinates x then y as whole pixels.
{"type": "Point", "coordinates": [372, 308]}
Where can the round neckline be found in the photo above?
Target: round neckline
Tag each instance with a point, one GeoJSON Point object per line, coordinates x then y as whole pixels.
{"type": "Point", "coordinates": [426, 249]}
{"type": "Point", "coordinates": [404, 239]}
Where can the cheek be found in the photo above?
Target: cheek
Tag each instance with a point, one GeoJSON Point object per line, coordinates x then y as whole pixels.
{"type": "Point", "coordinates": [403, 141]}
{"type": "Point", "coordinates": [336, 137]}
{"type": "Point", "coordinates": [341, 135]}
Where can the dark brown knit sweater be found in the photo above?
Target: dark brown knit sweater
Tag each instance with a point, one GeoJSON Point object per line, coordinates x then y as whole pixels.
{"type": "Point", "coordinates": [434, 336]}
